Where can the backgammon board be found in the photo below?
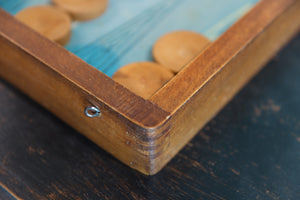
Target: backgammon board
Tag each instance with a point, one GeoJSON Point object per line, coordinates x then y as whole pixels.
{"type": "Point", "coordinates": [74, 81]}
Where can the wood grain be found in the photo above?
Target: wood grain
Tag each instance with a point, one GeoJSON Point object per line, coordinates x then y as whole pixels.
{"type": "Point", "coordinates": [143, 134]}
{"type": "Point", "coordinates": [66, 85]}
{"type": "Point", "coordinates": [223, 69]}
{"type": "Point", "coordinates": [70, 67]}
{"type": "Point", "coordinates": [224, 50]}
{"type": "Point", "coordinates": [249, 151]}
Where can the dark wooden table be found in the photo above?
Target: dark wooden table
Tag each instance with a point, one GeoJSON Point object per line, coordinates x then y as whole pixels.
{"type": "Point", "coordinates": [251, 150]}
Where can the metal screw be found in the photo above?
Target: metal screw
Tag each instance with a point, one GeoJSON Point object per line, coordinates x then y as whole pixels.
{"type": "Point", "coordinates": [92, 112]}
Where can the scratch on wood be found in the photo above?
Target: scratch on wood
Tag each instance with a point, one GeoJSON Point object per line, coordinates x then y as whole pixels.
{"type": "Point", "coordinates": [4, 160]}
{"type": "Point", "coordinates": [212, 163]}
{"type": "Point", "coordinates": [205, 137]}
{"type": "Point", "coordinates": [235, 172]}
{"type": "Point", "coordinates": [33, 150]}
{"type": "Point", "coordinates": [2, 171]}
{"type": "Point", "coordinates": [51, 196]}
{"type": "Point", "coordinates": [201, 167]}
{"type": "Point", "coordinates": [271, 106]}
{"type": "Point", "coordinates": [257, 111]}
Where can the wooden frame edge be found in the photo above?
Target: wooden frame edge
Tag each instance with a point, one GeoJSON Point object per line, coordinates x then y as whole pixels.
{"type": "Point", "coordinates": [180, 89]}
{"type": "Point", "coordinates": [150, 132]}
{"type": "Point", "coordinates": [192, 114]}
{"type": "Point", "coordinates": [142, 112]}
{"type": "Point", "coordinates": [66, 85]}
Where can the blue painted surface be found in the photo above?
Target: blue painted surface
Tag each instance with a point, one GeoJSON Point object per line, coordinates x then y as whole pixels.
{"type": "Point", "coordinates": [129, 28]}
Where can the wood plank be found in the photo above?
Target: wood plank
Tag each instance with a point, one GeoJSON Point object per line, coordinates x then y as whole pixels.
{"type": "Point", "coordinates": [221, 71]}
{"type": "Point", "coordinates": [199, 71]}
{"type": "Point", "coordinates": [113, 132]}
{"type": "Point", "coordinates": [140, 133]}
{"type": "Point", "coordinates": [66, 85]}
{"type": "Point", "coordinates": [249, 151]}
{"type": "Point", "coordinates": [81, 75]}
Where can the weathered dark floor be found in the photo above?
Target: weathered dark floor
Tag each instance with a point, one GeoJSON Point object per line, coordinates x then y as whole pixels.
{"type": "Point", "coordinates": [251, 150]}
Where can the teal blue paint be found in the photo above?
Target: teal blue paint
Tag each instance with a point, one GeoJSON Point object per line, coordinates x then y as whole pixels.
{"type": "Point", "coordinates": [129, 28]}
{"type": "Point", "coordinates": [14, 6]}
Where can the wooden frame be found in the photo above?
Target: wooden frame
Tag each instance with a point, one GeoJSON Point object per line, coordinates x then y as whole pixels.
{"type": "Point", "coordinates": [145, 134]}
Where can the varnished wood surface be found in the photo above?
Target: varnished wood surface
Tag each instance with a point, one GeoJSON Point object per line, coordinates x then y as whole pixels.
{"type": "Point", "coordinates": [142, 134]}
{"type": "Point", "coordinates": [45, 55]}
{"type": "Point", "coordinates": [230, 46]}
{"type": "Point", "coordinates": [209, 82]}
{"type": "Point", "coordinates": [66, 85]}
{"type": "Point", "coordinates": [249, 151]}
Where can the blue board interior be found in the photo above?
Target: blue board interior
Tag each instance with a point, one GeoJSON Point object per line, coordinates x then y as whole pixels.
{"type": "Point", "coordinates": [126, 32]}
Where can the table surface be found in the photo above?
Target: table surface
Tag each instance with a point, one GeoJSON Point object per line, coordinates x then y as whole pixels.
{"type": "Point", "coordinates": [251, 150]}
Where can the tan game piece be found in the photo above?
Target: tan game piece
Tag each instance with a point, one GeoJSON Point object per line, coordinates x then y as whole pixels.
{"type": "Point", "coordinates": [83, 10]}
{"type": "Point", "coordinates": [143, 78]}
{"type": "Point", "coordinates": [174, 50]}
{"type": "Point", "coordinates": [49, 21]}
